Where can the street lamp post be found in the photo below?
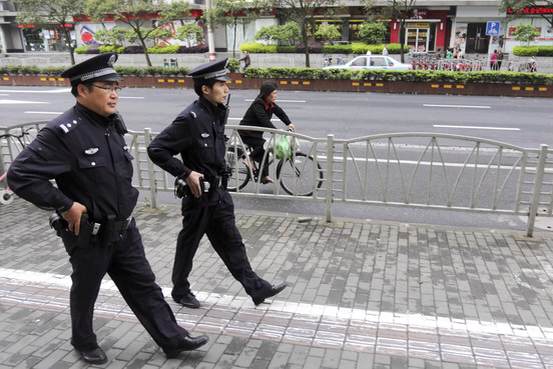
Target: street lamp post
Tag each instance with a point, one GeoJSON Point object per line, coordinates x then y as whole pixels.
{"type": "Point", "coordinates": [210, 38]}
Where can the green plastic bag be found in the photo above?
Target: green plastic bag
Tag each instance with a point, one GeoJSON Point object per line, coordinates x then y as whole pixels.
{"type": "Point", "coordinates": [283, 149]}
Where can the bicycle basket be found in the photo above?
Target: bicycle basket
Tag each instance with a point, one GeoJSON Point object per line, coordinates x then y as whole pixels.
{"type": "Point", "coordinates": [283, 148]}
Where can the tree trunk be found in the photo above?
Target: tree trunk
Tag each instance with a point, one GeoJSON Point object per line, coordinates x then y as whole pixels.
{"type": "Point", "coordinates": [146, 54]}
{"type": "Point", "coordinates": [234, 39]}
{"type": "Point", "coordinates": [402, 39]}
{"type": "Point", "coordinates": [305, 42]}
{"type": "Point", "coordinates": [69, 44]}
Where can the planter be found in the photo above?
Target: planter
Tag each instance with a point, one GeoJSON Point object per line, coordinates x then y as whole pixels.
{"type": "Point", "coordinates": [238, 81]}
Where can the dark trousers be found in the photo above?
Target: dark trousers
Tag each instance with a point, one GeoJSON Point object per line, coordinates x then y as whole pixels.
{"type": "Point", "coordinates": [213, 215]}
{"type": "Point", "coordinates": [126, 264]}
{"type": "Point", "coordinates": [258, 153]}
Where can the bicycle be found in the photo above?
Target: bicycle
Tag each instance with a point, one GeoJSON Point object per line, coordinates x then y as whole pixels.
{"type": "Point", "coordinates": [7, 195]}
{"type": "Point", "coordinates": [299, 175]}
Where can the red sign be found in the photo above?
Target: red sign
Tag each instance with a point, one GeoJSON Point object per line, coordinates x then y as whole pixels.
{"type": "Point", "coordinates": [531, 10]}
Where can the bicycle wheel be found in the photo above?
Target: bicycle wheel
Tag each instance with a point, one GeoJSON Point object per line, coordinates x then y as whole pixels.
{"type": "Point", "coordinates": [239, 176]}
{"type": "Point", "coordinates": [299, 176]}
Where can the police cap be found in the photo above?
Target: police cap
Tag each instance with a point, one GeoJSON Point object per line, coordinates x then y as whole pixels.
{"type": "Point", "coordinates": [97, 68]}
{"type": "Point", "coordinates": [213, 70]}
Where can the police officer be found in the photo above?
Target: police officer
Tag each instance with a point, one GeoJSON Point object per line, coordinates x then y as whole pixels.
{"type": "Point", "coordinates": [197, 134]}
{"type": "Point", "coordinates": [85, 152]}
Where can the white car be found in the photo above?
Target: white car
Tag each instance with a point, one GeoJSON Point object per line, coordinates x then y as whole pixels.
{"type": "Point", "coordinates": [370, 62]}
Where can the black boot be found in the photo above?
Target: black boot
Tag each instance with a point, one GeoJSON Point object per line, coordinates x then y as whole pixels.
{"type": "Point", "coordinates": [260, 296]}
{"type": "Point", "coordinates": [189, 343]}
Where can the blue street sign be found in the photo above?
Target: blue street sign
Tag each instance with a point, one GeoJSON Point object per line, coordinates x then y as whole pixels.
{"type": "Point", "coordinates": [492, 28]}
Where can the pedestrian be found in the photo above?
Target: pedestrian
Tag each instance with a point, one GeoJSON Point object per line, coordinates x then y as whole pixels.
{"type": "Point", "coordinates": [493, 60]}
{"type": "Point", "coordinates": [384, 51]}
{"type": "Point", "coordinates": [259, 114]}
{"type": "Point", "coordinates": [247, 60]}
{"type": "Point", "coordinates": [500, 57]}
{"type": "Point", "coordinates": [197, 134]}
{"type": "Point", "coordinates": [84, 151]}
{"type": "Point", "coordinates": [449, 54]}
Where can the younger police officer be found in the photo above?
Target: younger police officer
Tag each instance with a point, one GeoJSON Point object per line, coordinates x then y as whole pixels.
{"type": "Point", "coordinates": [85, 152]}
{"type": "Point", "coordinates": [197, 134]}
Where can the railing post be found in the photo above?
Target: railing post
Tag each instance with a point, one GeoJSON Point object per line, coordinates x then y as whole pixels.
{"type": "Point", "coordinates": [151, 173]}
{"type": "Point", "coordinates": [329, 176]}
{"type": "Point", "coordinates": [537, 190]}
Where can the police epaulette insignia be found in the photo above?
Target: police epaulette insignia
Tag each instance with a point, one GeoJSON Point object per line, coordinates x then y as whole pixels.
{"type": "Point", "coordinates": [193, 114]}
{"type": "Point", "coordinates": [66, 127]}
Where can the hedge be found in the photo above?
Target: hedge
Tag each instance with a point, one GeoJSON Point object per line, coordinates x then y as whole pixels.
{"type": "Point", "coordinates": [330, 74]}
{"type": "Point", "coordinates": [533, 50]}
{"type": "Point", "coordinates": [353, 48]}
{"type": "Point", "coordinates": [407, 76]}
{"type": "Point", "coordinates": [135, 49]}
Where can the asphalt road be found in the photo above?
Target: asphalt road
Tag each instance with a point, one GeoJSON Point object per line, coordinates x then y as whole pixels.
{"type": "Point", "coordinates": [519, 121]}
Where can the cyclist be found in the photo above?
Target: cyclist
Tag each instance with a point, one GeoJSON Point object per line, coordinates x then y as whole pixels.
{"type": "Point", "coordinates": [259, 114]}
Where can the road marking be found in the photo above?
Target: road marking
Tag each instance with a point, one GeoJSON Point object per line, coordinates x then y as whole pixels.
{"type": "Point", "coordinates": [14, 102]}
{"type": "Point", "coordinates": [56, 91]}
{"type": "Point", "coordinates": [272, 120]}
{"type": "Point", "coordinates": [44, 112]}
{"type": "Point", "coordinates": [457, 106]}
{"type": "Point", "coordinates": [282, 101]}
{"type": "Point", "coordinates": [132, 97]}
{"type": "Point", "coordinates": [4, 95]}
{"type": "Point", "coordinates": [476, 127]}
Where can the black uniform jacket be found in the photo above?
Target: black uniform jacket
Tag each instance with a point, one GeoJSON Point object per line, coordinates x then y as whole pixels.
{"type": "Point", "coordinates": [198, 135]}
{"type": "Point", "coordinates": [257, 116]}
{"type": "Point", "coordinates": [89, 161]}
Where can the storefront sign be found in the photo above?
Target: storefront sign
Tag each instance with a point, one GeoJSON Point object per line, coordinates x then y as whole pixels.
{"type": "Point", "coordinates": [531, 10]}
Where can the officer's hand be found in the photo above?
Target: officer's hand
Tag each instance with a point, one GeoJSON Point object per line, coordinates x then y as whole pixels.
{"type": "Point", "coordinates": [193, 182]}
{"type": "Point", "coordinates": [73, 217]}
{"type": "Point", "coordinates": [291, 127]}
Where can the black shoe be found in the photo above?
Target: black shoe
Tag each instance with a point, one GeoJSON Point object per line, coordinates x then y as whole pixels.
{"type": "Point", "coordinates": [94, 356]}
{"type": "Point", "coordinates": [189, 301]}
{"type": "Point", "coordinates": [189, 343]}
{"type": "Point", "coordinates": [265, 294]}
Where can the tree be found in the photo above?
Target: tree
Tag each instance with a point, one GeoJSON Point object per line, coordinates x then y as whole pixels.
{"type": "Point", "coordinates": [526, 33]}
{"type": "Point", "coordinates": [373, 32]}
{"type": "Point", "coordinates": [234, 12]}
{"type": "Point", "coordinates": [191, 33]}
{"type": "Point", "coordinates": [515, 8]}
{"type": "Point", "coordinates": [115, 36]}
{"type": "Point", "coordinates": [286, 34]}
{"type": "Point", "coordinates": [302, 12]}
{"type": "Point", "coordinates": [57, 14]}
{"type": "Point", "coordinates": [146, 19]}
{"type": "Point", "coordinates": [327, 32]}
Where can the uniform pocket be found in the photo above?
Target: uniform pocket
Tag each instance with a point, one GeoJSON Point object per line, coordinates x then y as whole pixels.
{"type": "Point", "coordinates": [124, 167]}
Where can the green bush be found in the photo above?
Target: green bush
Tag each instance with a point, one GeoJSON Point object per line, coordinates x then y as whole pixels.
{"type": "Point", "coordinates": [170, 49]}
{"type": "Point", "coordinates": [372, 32]}
{"type": "Point", "coordinates": [362, 48]}
{"type": "Point", "coordinates": [286, 49]}
{"type": "Point", "coordinates": [111, 49]}
{"type": "Point", "coordinates": [337, 49]}
{"type": "Point", "coordinates": [258, 48]}
{"type": "Point", "coordinates": [233, 65]}
{"type": "Point", "coordinates": [81, 49]}
{"type": "Point", "coordinates": [149, 71]}
{"type": "Point", "coordinates": [533, 50]}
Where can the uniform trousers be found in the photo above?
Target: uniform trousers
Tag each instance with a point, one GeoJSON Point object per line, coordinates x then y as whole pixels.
{"type": "Point", "coordinates": [125, 262]}
{"type": "Point", "coordinates": [213, 215]}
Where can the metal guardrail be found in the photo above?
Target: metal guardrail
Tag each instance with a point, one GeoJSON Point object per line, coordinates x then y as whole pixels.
{"type": "Point", "coordinates": [424, 170]}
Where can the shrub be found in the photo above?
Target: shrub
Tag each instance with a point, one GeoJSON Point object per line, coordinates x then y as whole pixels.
{"type": "Point", "coordinates": [192, 49]}
{"type": "Point", "coordinates": [233, 65]}
{"type": "Point", "coordinates": [81, 49]}
{"type": "Point", "coordinates": [337, 49]}
{"type": "Point", "coordinates": [327, 32]}
{"type": "Point", "coordinates": [169, 49]}
{"type": "Point", "coordinates": [286, 49]}
{"type": "Point", "coordinates": [111, 49]}
{"type": "Point", "coordinates": [372, 32]}
{"type": "Point", "coordinates": [256, 47]}
{"type": "Point", "coordinates": [133, 49]}
{"type": "Point", "coordinates": [533, 50]}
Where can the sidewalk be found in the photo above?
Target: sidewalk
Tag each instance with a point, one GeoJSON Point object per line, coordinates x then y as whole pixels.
{"type": "Point", "coordinates": [362, 295]}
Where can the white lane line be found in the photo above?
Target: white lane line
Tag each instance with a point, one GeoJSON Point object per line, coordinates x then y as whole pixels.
{"type": "Point", "coordinates": [457, 106]}
{"type": "Point", "coordinates": [282, 101]}
{"type": "Point", "coordinates": [477, 127]}
{"type": "Point", "coordinates": [412, 322]}
{"type": "Point", "coordinates": [4, 95]}
{"type": "Point", "coordinates": [14, 102]}
{"type": "Point", "coordinates": [43, 112]}
{"type": "Point", "coordinates": [56, 91]}
{"type": "Point", "coordinates": [272, 120]}
{"type": "Point", "coordinates": [132, 97]}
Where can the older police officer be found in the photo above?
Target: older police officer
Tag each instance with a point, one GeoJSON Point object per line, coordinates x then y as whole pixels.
{"type": "Point", "coordinates": [197, 134]}
{"type": "Point", "coordinates": [85, 152]}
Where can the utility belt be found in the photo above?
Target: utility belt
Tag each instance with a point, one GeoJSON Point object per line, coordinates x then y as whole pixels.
{"type": "Point", "coordinates": [207, 185]}
{"type": "Point", "coordinates": [106, 232]}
